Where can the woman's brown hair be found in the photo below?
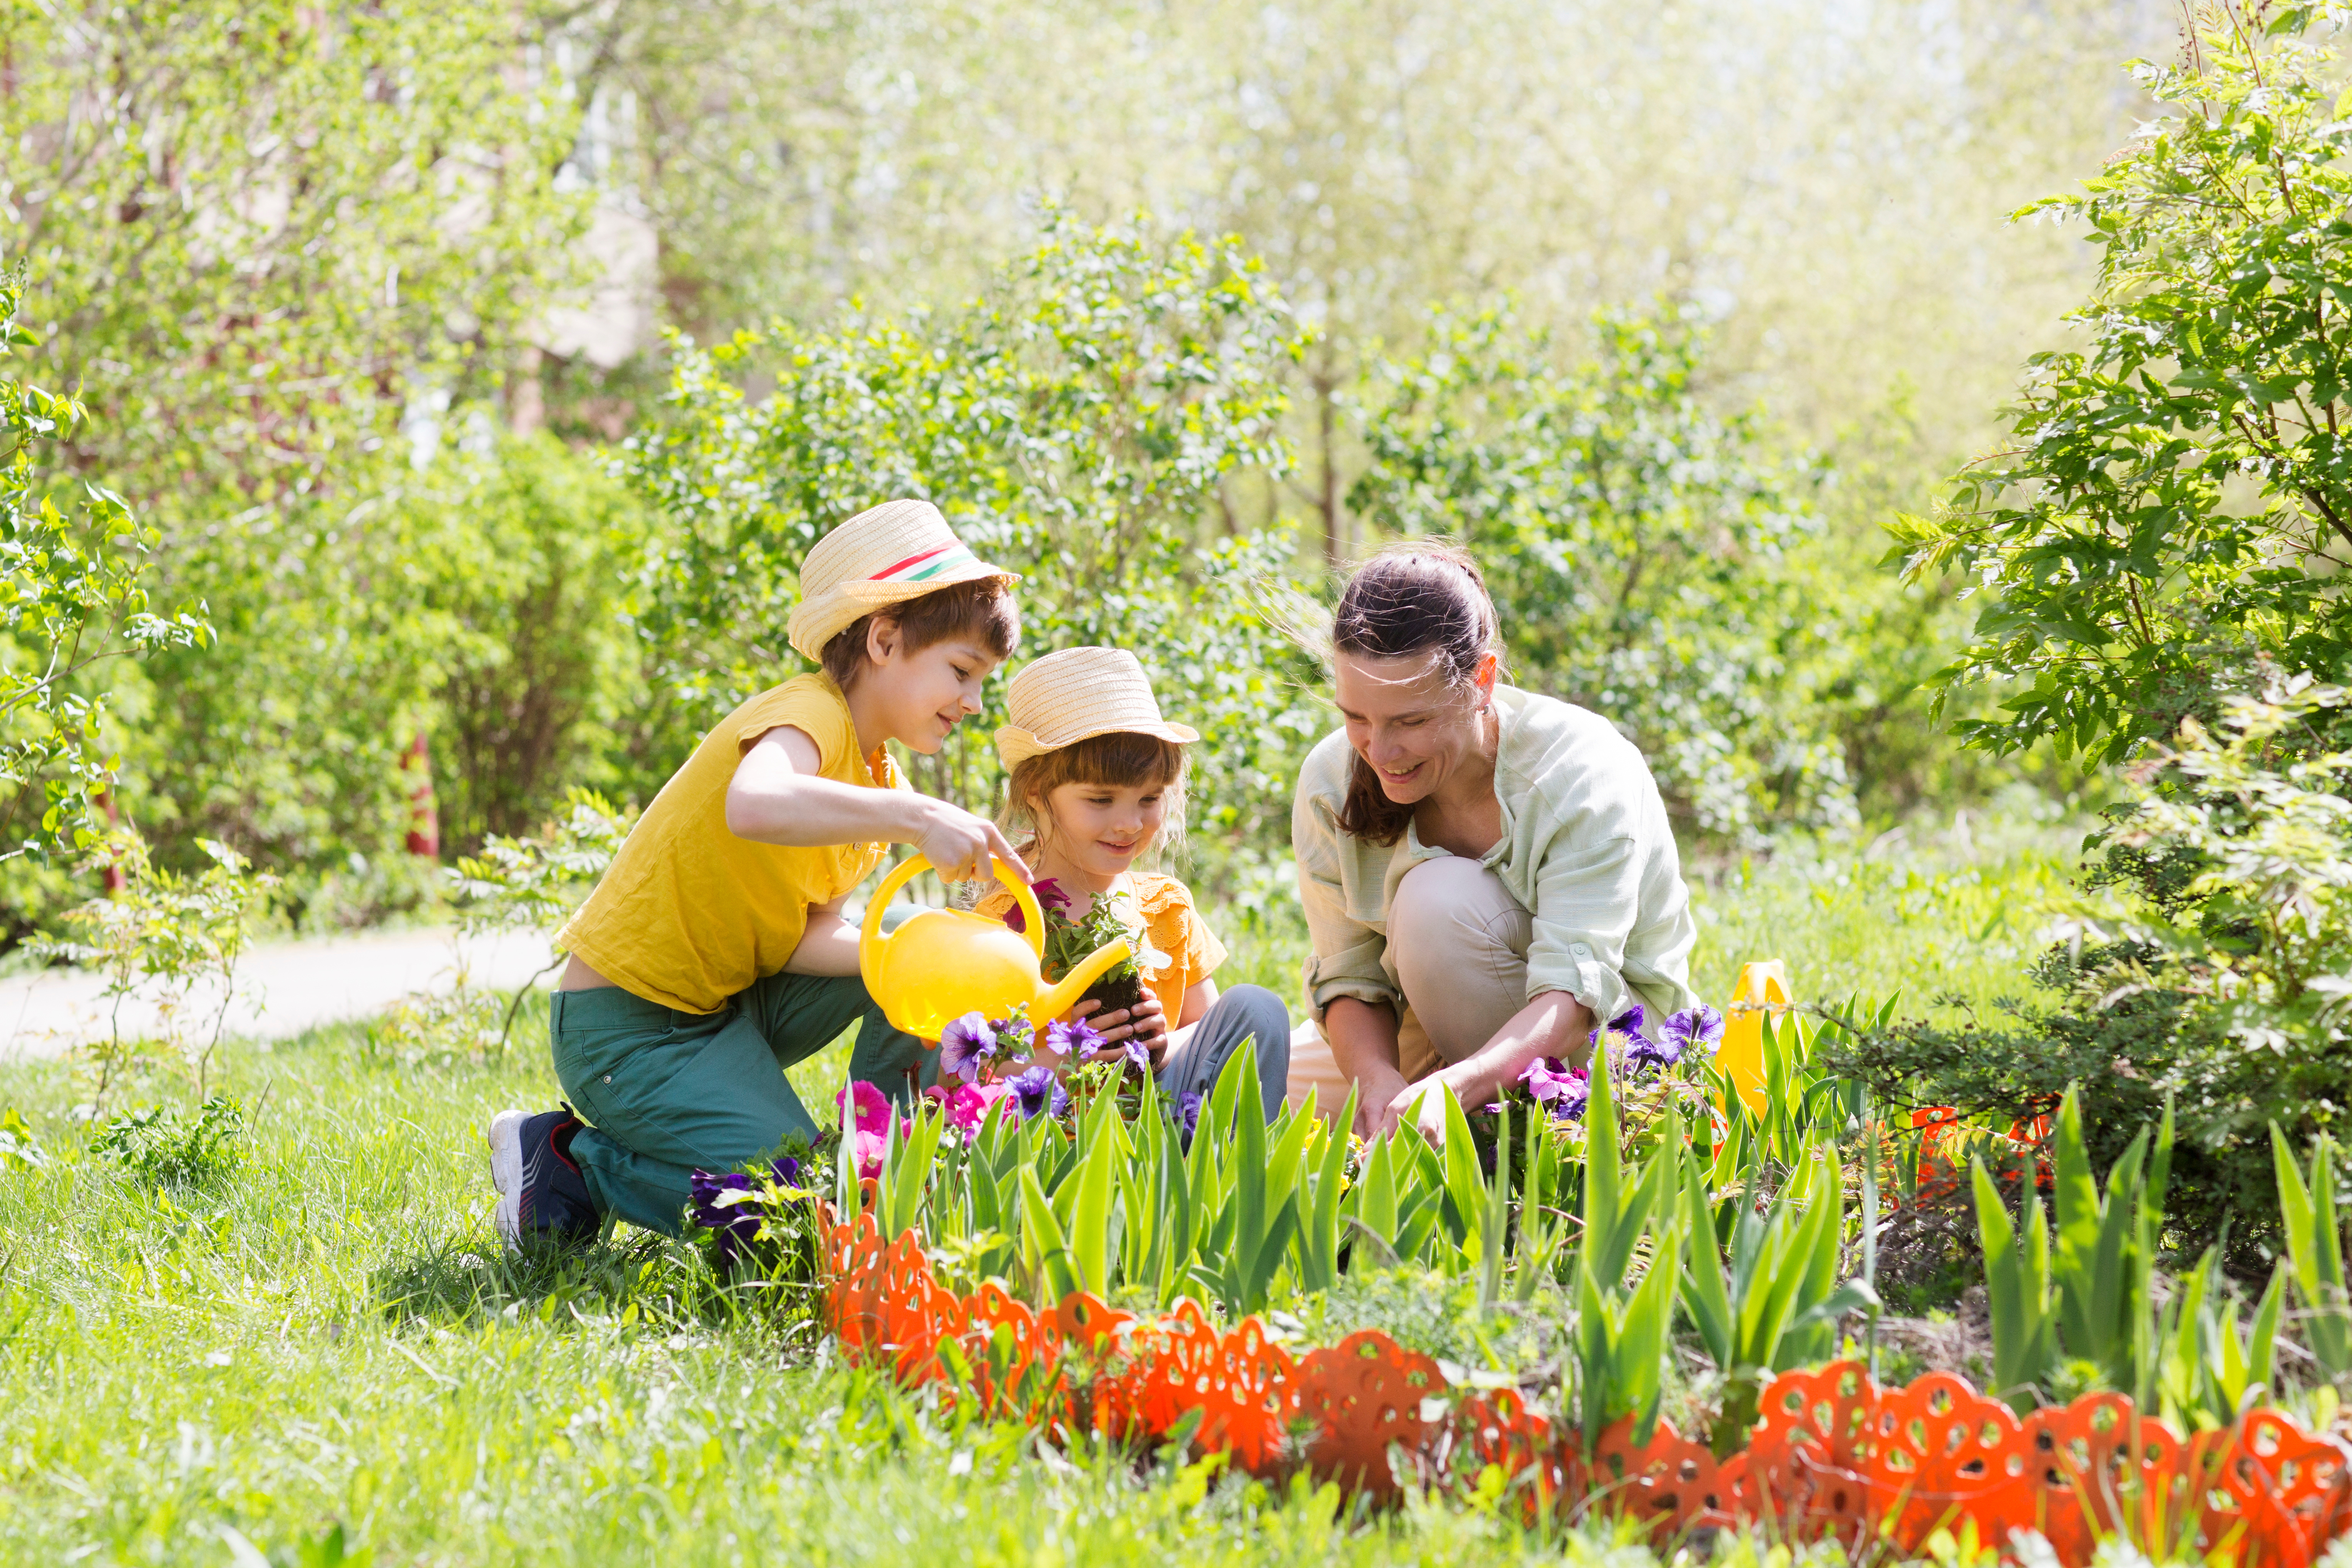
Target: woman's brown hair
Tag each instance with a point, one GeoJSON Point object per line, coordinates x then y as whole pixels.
{"type": "Point", "coordinates": [1120, 758]}
{"type": "Point", "coordinates": [1409, 598]}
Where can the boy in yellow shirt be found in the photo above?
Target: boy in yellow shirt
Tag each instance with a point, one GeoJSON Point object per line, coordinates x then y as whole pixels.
{"type": "Point", "coordinates": [713, 955]}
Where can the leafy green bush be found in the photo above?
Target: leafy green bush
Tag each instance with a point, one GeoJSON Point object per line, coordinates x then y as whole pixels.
{"type": "Point", "coordinates": [2159, 552]}
{"type": "Point", "coordinates": [2219, 988]}
{"type": "Point", "coordinates": [2172, 508]}
{"type": "Point", "coordinates": [1075, 423]}
{"type": "Point", "coordinates": [73, 599]}
{"type": "Point", "coordinates": [478, 601]}
{"type": "Point", "coordinates": [1647, 555]}
{"type": "Point", "coordinates": [163, 1147]}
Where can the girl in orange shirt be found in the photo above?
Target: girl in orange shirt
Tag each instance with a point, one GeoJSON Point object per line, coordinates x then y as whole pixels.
{"type": "Point", "coordinates": [1098, 779]}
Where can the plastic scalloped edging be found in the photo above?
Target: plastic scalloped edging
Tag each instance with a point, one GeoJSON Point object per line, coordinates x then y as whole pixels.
{"type": "Point", "coordinates": [1833, 1456]}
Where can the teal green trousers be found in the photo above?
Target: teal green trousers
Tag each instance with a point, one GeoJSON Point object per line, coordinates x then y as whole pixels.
{"type": "Point", "coordinates": [665, 1092]}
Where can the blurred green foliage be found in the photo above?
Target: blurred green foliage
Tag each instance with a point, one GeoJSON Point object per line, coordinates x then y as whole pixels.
{"type": "Point", "coordinates": [321, 271]}
{"type": "Point", "coordinates": [1650, 558]}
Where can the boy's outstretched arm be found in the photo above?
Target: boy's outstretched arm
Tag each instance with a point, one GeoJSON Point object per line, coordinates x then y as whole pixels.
{"type": "Point", "coordinates": [779, 795]}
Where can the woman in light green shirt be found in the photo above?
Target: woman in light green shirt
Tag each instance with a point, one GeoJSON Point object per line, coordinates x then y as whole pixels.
{"type": "Point", "coordinates": [1486, 873]}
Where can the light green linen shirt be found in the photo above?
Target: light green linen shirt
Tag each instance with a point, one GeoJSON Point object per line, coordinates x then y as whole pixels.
{"type": "Point", "coordinates": [1586, 850]}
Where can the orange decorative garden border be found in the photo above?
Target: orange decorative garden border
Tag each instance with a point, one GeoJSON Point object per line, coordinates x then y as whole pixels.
{"type": "Point", "coordinates": [1833, 1456]}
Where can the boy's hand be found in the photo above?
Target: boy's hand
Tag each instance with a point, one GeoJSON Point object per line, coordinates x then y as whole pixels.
{"type": "Point", "coordinates": [961, 846]}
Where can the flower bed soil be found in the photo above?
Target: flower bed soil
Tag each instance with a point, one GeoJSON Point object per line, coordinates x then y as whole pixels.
{"type": "Point", "coordinates": [1834, 1456]}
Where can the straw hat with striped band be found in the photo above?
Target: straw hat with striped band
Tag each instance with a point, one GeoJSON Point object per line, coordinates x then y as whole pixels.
{"type": "Point", "coordinates": [1067, 696]}
{"type": "Point", "coordinates": [893, 552]}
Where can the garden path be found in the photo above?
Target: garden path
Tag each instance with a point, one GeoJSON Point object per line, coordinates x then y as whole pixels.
{"type": "Point", "coordinates": [283, 988]}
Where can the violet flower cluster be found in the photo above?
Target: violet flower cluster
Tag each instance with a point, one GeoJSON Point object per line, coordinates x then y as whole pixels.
{"type": "Point", "coordinates": [732, 1205]}
{"type": "Point", "coordinates": [1564, 1092]}
{"type": "Point", "coordinates": [970, 1045]}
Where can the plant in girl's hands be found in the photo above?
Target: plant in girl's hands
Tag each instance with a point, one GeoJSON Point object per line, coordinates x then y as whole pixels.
{"type": "Point", "coordinates": [1110, 918]}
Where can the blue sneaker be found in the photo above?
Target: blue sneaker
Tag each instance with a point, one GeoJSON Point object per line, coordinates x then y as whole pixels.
{"type": "Point", "coordinates": [541, 1191]}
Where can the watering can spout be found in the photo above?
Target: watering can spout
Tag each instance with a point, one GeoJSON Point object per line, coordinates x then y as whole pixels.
{"type": "Point", "coordinates": [1083, 974]}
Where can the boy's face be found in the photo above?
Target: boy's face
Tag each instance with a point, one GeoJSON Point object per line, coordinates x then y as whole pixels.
{"type": "Point", "coordinates": [922, 695]}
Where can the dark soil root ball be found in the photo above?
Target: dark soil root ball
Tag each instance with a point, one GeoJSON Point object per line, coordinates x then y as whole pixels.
{"type": "Point", "coordinates": [1117, 992]}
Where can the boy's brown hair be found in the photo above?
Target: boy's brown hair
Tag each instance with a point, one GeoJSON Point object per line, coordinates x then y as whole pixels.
{"type": "Point", "coordinates": [983, 611]}
{"type": "Point", "coordinates": [1120, 758]}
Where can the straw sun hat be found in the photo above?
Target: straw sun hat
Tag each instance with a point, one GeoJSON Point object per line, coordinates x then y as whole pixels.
{"type": "Point", "coordinates": [896, 552]}
{"type": "Point", "coordinates": [1067, 696]}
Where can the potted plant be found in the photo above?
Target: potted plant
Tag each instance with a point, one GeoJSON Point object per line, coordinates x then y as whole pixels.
{"type": "Point", "coordinates": [1111, 917]}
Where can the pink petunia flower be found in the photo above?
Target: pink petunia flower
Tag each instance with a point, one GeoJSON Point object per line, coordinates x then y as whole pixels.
{"type": "Point", "coordinates": [872, 1108]}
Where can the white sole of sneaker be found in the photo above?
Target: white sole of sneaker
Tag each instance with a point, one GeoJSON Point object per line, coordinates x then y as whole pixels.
{"type": "Point", "coordinates": [505, 1136]}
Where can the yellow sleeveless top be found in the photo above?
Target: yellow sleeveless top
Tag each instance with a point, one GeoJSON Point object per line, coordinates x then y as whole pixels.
{"type": "Point", "coordinates": [688, 914]}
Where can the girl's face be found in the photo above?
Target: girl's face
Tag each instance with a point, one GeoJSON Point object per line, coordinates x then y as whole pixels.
{"type": "Point", "coordinates": [1410, 722]}
{"type": "Point", "coordinates": [1098, 829]}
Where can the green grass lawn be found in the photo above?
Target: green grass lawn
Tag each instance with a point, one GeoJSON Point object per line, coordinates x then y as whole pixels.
{"type": "Point", "coordinates": [327, 1347]}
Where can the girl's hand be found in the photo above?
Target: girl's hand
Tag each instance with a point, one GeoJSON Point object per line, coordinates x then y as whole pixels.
{"type": "Point", "coordinates": [1146, 1021]}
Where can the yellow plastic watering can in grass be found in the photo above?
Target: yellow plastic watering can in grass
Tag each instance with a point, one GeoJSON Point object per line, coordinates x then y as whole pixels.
{"type": "Point", "coordinates": [1763, 988]}
{"type": "Point", "coordinates": [942, 963]}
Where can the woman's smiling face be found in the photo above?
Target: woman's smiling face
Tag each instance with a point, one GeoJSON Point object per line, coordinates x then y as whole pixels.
{"type": "Point", "coordinates": [1412, 724]}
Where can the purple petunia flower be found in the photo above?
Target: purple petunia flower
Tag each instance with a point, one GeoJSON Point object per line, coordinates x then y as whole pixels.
{"type": "Point", "coordinates": [1629, 1022]}
{"type": "Point", "coordinates": [1038, 1092]}
{"type": "Point", "coordinates": [1186, 1112]}
{"type": "Point", "coordinates": [724, 1205]}
{"type": "Point", "coordinates": [1076, 1039]}
{"type": "Point", "coordinates": [1698, 1028]}
{"type": "Point", "coordinates": [1575, 1094]}
{"type": "Point", "coordinates": [966, 1045]}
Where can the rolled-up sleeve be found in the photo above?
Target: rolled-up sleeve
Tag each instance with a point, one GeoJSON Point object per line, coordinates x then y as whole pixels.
{"type": "Point", "coordinates": [1587, 896]}
{"type": "Point", "coordinates": [1347, 953]}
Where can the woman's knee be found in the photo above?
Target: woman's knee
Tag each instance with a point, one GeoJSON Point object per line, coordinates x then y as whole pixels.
{"type": "Point", "coordinates": [1459, 942]}
{"type": "Point", "coordinates": [1450, 908]}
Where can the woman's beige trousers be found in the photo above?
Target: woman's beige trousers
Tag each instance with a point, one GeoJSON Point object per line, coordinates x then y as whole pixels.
{"type": "Point", "coordinates": [1458, 944]}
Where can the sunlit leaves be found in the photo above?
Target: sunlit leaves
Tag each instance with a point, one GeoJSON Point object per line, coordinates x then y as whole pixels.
{"type": "Point", "coordinates": [2174, 506]}
{"type": "Point", "coordinates": [71, 597]}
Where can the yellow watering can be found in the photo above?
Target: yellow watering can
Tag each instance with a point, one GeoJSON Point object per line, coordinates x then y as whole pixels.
{"type": "Point", "coordinates": [942, 963]}
{"type": "Point", "coordinates": [1763, 988]}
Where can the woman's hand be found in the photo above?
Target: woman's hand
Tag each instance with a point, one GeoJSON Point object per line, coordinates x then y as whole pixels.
{"type": "Point", "coordinates": [1419, 1105]}
{"type": "Point", "coordinates": [1382, 1097]}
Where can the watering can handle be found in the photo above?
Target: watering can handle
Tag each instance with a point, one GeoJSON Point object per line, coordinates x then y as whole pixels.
{"type": "Point", "coordinates": [870, 939]}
